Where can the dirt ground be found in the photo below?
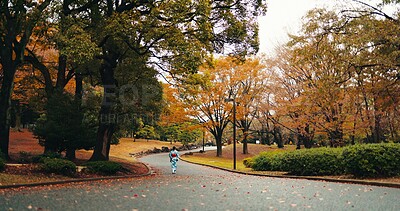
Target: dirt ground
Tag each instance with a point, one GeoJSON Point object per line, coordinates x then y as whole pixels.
{"type": "Point", "coordinates": [24, 142]}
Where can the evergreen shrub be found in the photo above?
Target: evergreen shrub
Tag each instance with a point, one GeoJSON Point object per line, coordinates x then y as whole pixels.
{"type": "Point", "coordinates": [104, 167]}
{"type": "Point", "coordinates": [267, 161]}
{"type": "Point", "coordinates": [41, 158]}
{"type": "Point", "coordinates": [58, 166]}
{"type": "Point", "coordinates": [313, 162]}
{"type": "Point", "coordinates": [364, 160]}
{"type": "Point", "coordinates": [372, 160]}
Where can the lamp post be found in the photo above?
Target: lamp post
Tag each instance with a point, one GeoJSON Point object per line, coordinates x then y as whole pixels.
{"type": "Point", "coordinates": [234, 130]}
{"type": "Point", "coordinates": [204, 133]}
{"type": "Point", "coordinates": [234, 133]}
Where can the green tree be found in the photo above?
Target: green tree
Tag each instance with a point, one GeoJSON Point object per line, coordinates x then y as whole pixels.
{"type": "Point", "coordinates": [70, 47]}
{"type": "Point", "coordinates": [172, 132]}
{"type": "Point", "coordinates": [190, 133]}
{"type": "Point", "coordinates": [139, 95]}
{"type": "Point", "coordinates": [17, 21]}
{"type": "Point", "coordinates": [147, 132]}
{"type": "Point", "coordinates": [176, 36]}
{"type": "Point", "coordinates": [62, 126]}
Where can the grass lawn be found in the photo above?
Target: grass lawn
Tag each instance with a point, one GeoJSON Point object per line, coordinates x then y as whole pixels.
{"type": "Point", "coordinates": [20, 179]}
{"type": "Point", "coordinates": [127, 145]}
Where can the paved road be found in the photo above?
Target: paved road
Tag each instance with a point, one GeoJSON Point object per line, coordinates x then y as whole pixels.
{"type": "Point", "coordinates": [201, 188]}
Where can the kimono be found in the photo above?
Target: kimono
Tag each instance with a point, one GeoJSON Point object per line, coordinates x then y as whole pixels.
{"type": "Point", "coordinates": [173, 158]}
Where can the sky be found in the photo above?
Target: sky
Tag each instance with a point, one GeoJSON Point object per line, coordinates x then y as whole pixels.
{"type": "Point", "coordinates": [284, 16]}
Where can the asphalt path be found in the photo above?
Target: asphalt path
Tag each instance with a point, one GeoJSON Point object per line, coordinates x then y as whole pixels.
{"type": "Point", "coordinates": [196, 187]}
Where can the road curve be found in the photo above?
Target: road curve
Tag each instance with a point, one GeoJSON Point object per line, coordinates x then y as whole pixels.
{"type": "Point", "coordinates": [196, 187]}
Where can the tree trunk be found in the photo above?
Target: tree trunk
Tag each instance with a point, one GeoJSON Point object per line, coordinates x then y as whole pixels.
{"type": "Point", "coordinates": [5, 105]}
{"type": "Point", "coordinates": [336, 138]}
{"type": "Point", "coordinates": [302, 139]}
{"type": "Point", "coordinates": [353, 133]}
{"type": "Point", "coordinates": [245, 147]}
{"type": "Point", "coordinates": [378, 132]}
{"type": "Point", "coordinates": [263, 134]}
{"type": "Point", "coordinates": [71, 147]}
{"type": "Point", "coordinates": [299, 141]}
{"type": "Point", "coordinates": [103, 143]}
{"type": "Point", "coordinates": [267, 139]}
{"type": "Point", "coordinates": [278, 137]}
{"type": "Point", "coordinates": [219, 149]}
{"type": "Point", "coordinates": [218, 140]}
{"type": "Point", "coordinates": [107, 124]}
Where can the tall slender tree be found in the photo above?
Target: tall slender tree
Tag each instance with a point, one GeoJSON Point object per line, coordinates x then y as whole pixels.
{"type": "Point", "coordinates": [253, 82]}
{"type": "Point", "coordinates": [17, 21]}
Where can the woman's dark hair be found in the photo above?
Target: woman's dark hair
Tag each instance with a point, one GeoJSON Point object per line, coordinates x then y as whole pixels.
{"type": "Point", "coordinates": [173, 148]}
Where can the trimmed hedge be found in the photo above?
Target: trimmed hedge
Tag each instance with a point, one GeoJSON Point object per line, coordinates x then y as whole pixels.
{"type": "Point", "coordinates": [267, 161]}
{"type": "Point", "coordinates": [313, 162]}
{"type": "Point", "coordinates": [58, 166]}
{"type": "Point", "coordinates": [104, 167]}
{"type": "Point", "coordinates": [369, 160]}
{"type": "Point", "coordinates": [372, 160]}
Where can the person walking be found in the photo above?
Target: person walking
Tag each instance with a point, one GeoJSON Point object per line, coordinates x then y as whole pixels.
{"type": "Point", "coordinates": [173, 158]}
